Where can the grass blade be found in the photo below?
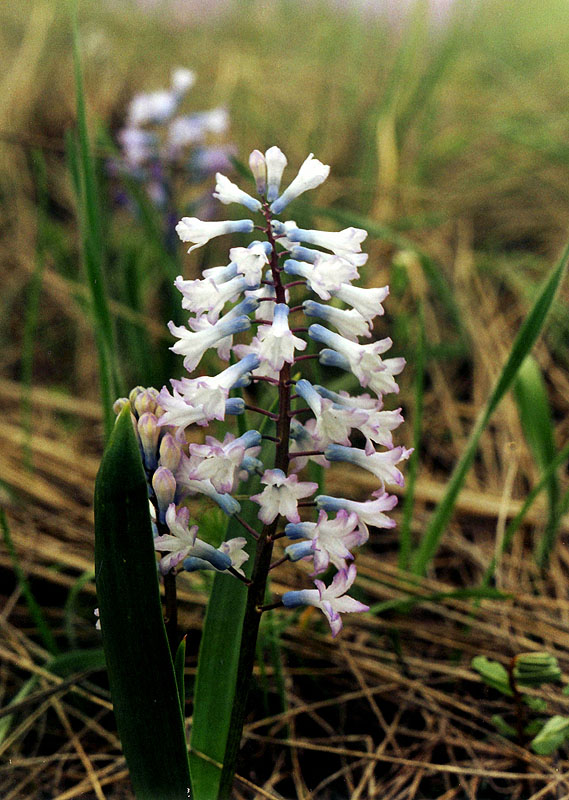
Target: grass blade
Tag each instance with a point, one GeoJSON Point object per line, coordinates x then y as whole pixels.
{"type": "Point", "coordinates": [33, 606]}
{"type": "Point", "coordinates": [405, 527]}
{"type": "Point", "coordinates": [83, 171]}
{"type": "Point", "coordinates": [523, 344]}
{"type": "Point", "coordinates": [535, 415]}
{"type": "Point", "coordinates": [141, 673]}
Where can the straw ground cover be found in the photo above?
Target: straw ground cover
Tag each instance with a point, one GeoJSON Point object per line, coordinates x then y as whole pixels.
{"type": "Point", "coordinates": [449, 145]}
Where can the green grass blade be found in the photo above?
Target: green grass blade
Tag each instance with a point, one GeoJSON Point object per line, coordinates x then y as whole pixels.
{"type": "Point", "coordinates": [83, 171]}
{"type": "Point", "coordinates": [141, 673]}
{"type": "Point", "coordinates": [523, 344]}
{"type": "Point", "coordinates": [33, 606]}
{"type": "Point", "coordinates": [408, 502]}
{"type": "Point", "coordinates": [535, 415]}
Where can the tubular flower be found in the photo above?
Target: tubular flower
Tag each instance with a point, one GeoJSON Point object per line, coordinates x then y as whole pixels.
{"type": "Point", "coordinates": [331, 600]}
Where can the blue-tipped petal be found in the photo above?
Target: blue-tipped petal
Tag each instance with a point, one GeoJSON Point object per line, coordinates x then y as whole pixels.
{"type": "Point", "coordinates": [234, 406]}
{"type": "Point", "coordinates": [331, 358]}
{"type": "Point", "coordinates": [299, 550]}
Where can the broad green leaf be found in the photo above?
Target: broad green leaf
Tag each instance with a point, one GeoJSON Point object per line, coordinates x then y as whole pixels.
{"type": "Point", "coordinates": [537, 704]}
{"type": "Point", "coordinates": [551, 736]}
{"type": "Point", "coordinates": [140, 669]}
{"type": "Point", "coordinates": [535, 415]}
{"type": "Point", "coordinates": [523, 344]}
{"type": "Point", "coordinates": [493, 674]}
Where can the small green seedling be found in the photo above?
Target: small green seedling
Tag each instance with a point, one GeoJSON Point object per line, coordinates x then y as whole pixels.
{"type": "Point", "coordinates": [543, 735]}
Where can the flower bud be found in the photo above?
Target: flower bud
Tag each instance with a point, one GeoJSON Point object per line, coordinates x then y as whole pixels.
{"type": "Point", "coordinates": [170, 452]}
{"type": "Point", "coordinates": [258, 167]}
{"type": "Point", "coordinates": [149, 433]}
{"type": "Point", "coordinates": [164, 485]}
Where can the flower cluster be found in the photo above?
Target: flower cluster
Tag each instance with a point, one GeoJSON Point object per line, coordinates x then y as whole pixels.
{"type": "Point", "coordinates": [157, 144]}
{"type": "Point", "coordinates": [308, 422]}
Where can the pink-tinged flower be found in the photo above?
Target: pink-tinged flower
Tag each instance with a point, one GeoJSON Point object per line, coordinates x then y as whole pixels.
{"type": "Point", "coordinates": [331, 600]}
{"type": "Point", "coordinates": [276, 161]}
{"type": "Point", "coordinates": [228, 192]}
{"type": "Point", "coordinates": [331, 539]}
{"type": "Point", "coordinates": [325, 276]}
{"type": "Point", "coordinates": [231, 549]}
{"type": "Point", "coordinates": [311, 174]}
{"type": "Point", "coordinates": [303, 438]}
{"type": "Point", "coordinates": [228, 504]}
{"type": "Point", "coordinates": [370, 512]}
{"type": "Point", "coordinates": [251, 262]}
{"type": "Point", "coordinates": [192, 229]}
{"type": "Point", "coordinates": [333, 422]}
{"type": "Point", "coordinates": [364, 359]}
{"type": "Point", "coordinates": [180, 540]}
{"type": "Point", "coordinates": [277, 343]}
{"type": "Point", "coordinates": [382, 465]}
{"type": "Point", "coordinates": [281, 495]}
{"type": "Point", "coordinates": [218, 461]}
{"type": "Point", "coordinates": [198, 400]}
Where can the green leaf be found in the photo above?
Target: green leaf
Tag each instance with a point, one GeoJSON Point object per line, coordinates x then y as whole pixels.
{"type": "Point", "coordinates": [502, 726]}
{"type": "Point", "coordinates": [179, 666]}
{"type": "Point", "coordinates": [535, 415]}
{"type": "Point", "coordinates": [551, 736]}
{"type": "Point", "coordinates": [140, 669]}
{"type": "Point", "coordinates": [493, 674]}
{"type": "Point", "coordinates": [537, 704]}
{"type": "Point", "coordinates": [217, 674]}
{"type": "Point", "coordinates": [523, 343]}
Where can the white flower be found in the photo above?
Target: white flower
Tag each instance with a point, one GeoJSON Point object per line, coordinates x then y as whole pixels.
{"type": "Point", "coordinates": [370, 512]}
{"type": "Point", "coordinates": [325, 276]}
{"type": "Point", "coordinates": [183, 543]}
{"type": "Point", "coordinates": [250, 262]}
{"type": "Point", "coordinates": [154, 107]}
{"type": "Point", "coordinates": [333, 422]}
{"type": "Point", "coordinates": [382, 465]}
{"type": "Point", "coordinates": [310, 175]}
{"type": "Point", "coordinates": [182, 80]}
{"type": "Point", "coordinates": [218, 461]}
{"type": "Point", "coordinates": [276, 161]}
{"type": "Point", "coordinates": [137, 145]}
{"type": "Point", "coordinates": [193, 344]}
{"type": "Point", "coordinates": [364, 359]}
{"type": "Point", "coordinates": [191, 229]}
{"type": "Point", "coordinates": [277, 343]}
{"type": "Point", "coordinates": [281, 496]}
{"type": "Point", "coordinates": [348, 323]}
{"type": "Point", "coordinates": [258, 167]}
{"type": "Point", "coordinates": [331, 600]}
{"type": "Point", "coordinates": [201, 296]}
{"type": "Point", "coordinates": [343, 243]}
{"type": "Point", "coordinates": [228, 192]}
{"type": "Point", "coordinates": [366, 301]}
